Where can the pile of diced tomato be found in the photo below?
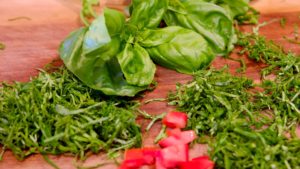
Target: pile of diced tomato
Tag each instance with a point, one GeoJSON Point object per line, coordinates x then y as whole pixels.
{"type": "Point", "coordinates": [173, 153]}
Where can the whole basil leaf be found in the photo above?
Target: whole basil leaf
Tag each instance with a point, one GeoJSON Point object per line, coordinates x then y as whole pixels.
{"type": "Point", "coordinates": [115, 21]}
{"type": "Point", "coordinates": [147, 13]}
{"type": "Point", "coordinates": [211, 21]}
{"type": "Point", "coordinates": [177, 48]}
{"type": "Point", "coordinates": [97, 65]}
{"type": "Point", "coordinates": [136, 65]}
{"type": "Point", "coordinates": [96, 36]}
{"type": "Point", "coordinates": [240, 10]}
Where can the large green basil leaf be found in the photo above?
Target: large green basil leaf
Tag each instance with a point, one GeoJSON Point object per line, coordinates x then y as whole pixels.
{"type": "Point", "coordinates": [177, 48]}
{"type": "Point", "coordinates": [147, 13]}
{"type": "Point", "coordinates": [136, 65]}
{"type": "Point", "coordinates": [115, 21]}
{"type": "Point", "coordinates": [96, 36]}
{"type": "Point", "coordinates": [98, 68]}
{"type": "Point", "coordinates": [211, 21]}
{"type": "Point", "coordinates": [235, 8]}
{"type": "Point", "coordinates": [238, 9]}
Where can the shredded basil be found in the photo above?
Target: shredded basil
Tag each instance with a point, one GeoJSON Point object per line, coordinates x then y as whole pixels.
{"type": "Point", "coordinates": [55, 113]}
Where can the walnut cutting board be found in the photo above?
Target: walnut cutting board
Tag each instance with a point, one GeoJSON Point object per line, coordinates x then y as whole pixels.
{"type": "Point", "coordinates": [33, 29]}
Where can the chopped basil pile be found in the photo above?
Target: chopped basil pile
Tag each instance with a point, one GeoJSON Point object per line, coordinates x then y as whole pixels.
{"type": "Point", "coordinates": [247, 125]}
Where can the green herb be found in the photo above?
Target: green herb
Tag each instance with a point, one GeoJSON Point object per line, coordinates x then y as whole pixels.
{"type": "Point", "coordinates": [214, 98]}
{"type": "Point", "coordinates": [154, 100]}
{"type": "Point", "coordinates": [296, 32]}
{"type": "Point", "coordinates": [19, 18]}
{"type": "Point", "coordinates": [2, 46]}
{"type": "Point", "coordinates": [55, 113]}
{"type": "Point", "coordinates": [213, 22]}
{"type": "Point", "coordinates": [97, 48]}
{"type": "Point", "coordinates": [78, 166]}
{"type": "Point", "coordinates": [282, 22]}
{"type": "Point", "coordinates": [266, 51]}
{"type": "Point", "coordinates": [291, 40]}
{"type": "Point", "coordinates": [247, 128]}
{"type": "Point", "coordinates": [239, 10]}
{"type": "Point", "coordinates": [177, 48]}
{"type": "Point", "coordinates": [255, 29]}
{"type": "Point", "coordinates": [87, 10]}
{"type": "Point", "coordinates": [50, 162]}
{"type": "Point", "coordinates": [152, 118]}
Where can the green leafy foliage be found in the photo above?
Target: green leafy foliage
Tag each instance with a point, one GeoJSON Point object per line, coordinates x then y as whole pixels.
{"type": "Point", "coordinates": [211, 21]}
{"type": "Point", "coordinates": [246, 127]}
{"type": "Point", "coordinates": [96, 36]}
{"type": "Point", "coordinates": [147, 14]}
{"type": "Point", "coordinates": [136, 65]}
{"type": "Point", "coordinates": [177, 48]}
{"type": "Point", "coordinates": [115, 56]}
{"type": "Point", "coordinates": [98, 67]}
{"type": "Point", "coordinates": [87, 10]}
{"type": "Point", "coordinates": [239, 10]}
{"type": "Point", "coordinates": [55, 113]}
{"type": "Point", "coordinates": [2, 46]}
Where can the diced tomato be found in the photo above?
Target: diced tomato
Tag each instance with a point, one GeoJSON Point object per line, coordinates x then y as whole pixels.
{"type": "Point", "coordinates": [175, 119]}
{"type": "Point", "coordinates": [172, 156]}
{"type": "Point", "coordinates": [202, 162]}
{"type": "Point", "coordinates": [174, 152]}
{"type": "Point", "coordinates": [125, 165]}
{"type": "Point", "coordinates": [200, 158]}
{"type": "Point", "coordinates": [159, 162]}
{"type": "Point", "coordinates": [184, 136]}
{"type": "Point", "coordinates": [150, 154]}
{"type": "Point", "coordinates": [188, 136]}
{"type": "Point", "coordinates": [134, 158]}
{"type": "Point", "coordinates": [177, 137]}
{"type": "Point", "coordinates": [169, 141]}
{"type": "Point", "coordinates": [173, 131]}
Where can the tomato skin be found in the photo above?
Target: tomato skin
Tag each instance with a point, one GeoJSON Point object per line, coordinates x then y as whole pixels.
{"type": "Point", "coordinates": [175, 120]}
{"type": "Point", "coordinates": [172, 156]}
{"type": "Point", "coordinates": [176, 136]}
{"type": "Point", "coordinates": [173, 153]}
{"type": "Point", "coordinates": [169, 141]}
{"type": "Point", "coordinates": [150, 155]}
{"type": "Point", "coordinates": [134, 158]}
{"type": "Point", "coordinates": [137, 157]}
{"type": "Point", "coordinates": [202, 162]}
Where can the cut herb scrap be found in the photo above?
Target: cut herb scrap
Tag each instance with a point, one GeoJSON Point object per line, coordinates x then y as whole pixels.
{"type": "Point", "coordinates": [87, 10]}
{"type": "Point", "coordinates": [214, 98]}
{"type": "Point", "coordinates": [247, 128]}
{"type": "Point", "coordinates": [55, 113]}
{"type": "Point", "coordinates": [265, 150]}
{"type": "Point", "coordinates": [2, 46]}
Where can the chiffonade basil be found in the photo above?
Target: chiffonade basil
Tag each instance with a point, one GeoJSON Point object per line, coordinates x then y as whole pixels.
{"type": "Point", "coordinates": [211, 21]}
{"type": "Point", "coordinates": [177, 48]}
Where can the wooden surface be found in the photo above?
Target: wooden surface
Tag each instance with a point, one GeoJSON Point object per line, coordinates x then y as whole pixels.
{"type": "Point", "coordinates": [32, 30]}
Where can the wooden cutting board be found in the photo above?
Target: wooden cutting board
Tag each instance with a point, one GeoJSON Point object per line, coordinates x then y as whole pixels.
{"type": "Point", "coordinates": [33, 29]}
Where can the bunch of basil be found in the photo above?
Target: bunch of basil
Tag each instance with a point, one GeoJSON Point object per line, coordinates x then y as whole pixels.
{"type": "Point", "coordinates": [116, 56]}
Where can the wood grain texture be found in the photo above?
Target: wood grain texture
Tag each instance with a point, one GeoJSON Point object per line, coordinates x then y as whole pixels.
{"type": "Point", "coordinates": [33, 29]}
